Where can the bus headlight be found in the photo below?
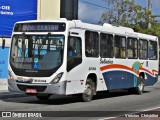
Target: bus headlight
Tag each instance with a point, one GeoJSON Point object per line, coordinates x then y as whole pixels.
{"type": "Point", "coordinates": [57, 78]}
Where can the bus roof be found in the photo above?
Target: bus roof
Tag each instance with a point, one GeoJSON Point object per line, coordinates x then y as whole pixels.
{"type": "Point", "coordinates": [106, 28]}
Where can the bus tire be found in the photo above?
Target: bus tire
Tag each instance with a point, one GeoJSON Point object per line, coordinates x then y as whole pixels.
{"type": "Point", "coordinates": [140, 85]}
{"type": "Point", "coordinates": [88, 92]}
{"type": "Point", "coordinates": [42, 97]}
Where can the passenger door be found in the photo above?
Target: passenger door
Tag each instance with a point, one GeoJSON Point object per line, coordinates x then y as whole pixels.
{"type": "Point", "coordinates": [75, 70]}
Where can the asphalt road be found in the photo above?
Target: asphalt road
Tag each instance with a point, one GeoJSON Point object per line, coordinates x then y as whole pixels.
{"type": "Point", "coordinates": [104, 105]}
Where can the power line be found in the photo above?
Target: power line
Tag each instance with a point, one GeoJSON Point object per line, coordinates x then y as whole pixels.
{"type": "Point", "coordinates": [95, 5]}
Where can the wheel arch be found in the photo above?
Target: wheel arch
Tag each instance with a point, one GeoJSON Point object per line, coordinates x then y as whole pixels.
{"type": "Point", "coordinates": [143, 75]}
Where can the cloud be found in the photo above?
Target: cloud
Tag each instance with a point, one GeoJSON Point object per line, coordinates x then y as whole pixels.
{"type": "Point", "coordinates": [89, 13]}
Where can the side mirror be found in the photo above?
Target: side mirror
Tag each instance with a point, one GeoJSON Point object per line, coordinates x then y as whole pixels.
{"type": "Point", "coordinates": [3, 43]}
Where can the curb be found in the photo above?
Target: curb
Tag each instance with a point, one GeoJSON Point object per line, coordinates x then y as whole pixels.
{"type": "Point", "coordinates": [5, 95]}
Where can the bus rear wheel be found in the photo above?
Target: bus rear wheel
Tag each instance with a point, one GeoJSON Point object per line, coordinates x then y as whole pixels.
{"type": "Point", "coordinates": [88, 92]}
{"type": "Point", "coordinates": [140, 85]}
{"type": "Point", "coordinates": [42, 97]}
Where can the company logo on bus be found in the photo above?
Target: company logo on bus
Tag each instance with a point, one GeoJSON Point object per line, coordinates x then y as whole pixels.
{"type": "Point", "coordinates": [40, 81]}
{"type": "Point", "coordinates": [105, 61]}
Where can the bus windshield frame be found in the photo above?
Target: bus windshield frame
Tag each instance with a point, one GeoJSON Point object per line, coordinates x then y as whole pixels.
{"type": "Point", "coordinates": [36, 55]}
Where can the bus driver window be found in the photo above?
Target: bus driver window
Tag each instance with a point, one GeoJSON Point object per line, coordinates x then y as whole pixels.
{"type": "Point", "coordinates": [70, 52]}
{"type": "Point", "coordinates": [74, 53]}
{"type": "Point", "coordinates": [152, 50]}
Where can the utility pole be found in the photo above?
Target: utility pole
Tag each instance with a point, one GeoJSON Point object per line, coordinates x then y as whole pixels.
{"type": "Point", "coordinates": [149, 13]}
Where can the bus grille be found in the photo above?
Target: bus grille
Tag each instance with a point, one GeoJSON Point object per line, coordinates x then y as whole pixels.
{"type": "Point", "coordinates": [38, 88]}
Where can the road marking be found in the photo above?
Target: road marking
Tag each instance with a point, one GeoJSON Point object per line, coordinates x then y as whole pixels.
{"type": "Point", "coordinates": [151, 109]}
{"type": "Point", "coordinates": [107, 118]}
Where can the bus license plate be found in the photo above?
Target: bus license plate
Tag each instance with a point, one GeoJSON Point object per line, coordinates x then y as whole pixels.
{"type": "Point", "coordinates": [28, 90]}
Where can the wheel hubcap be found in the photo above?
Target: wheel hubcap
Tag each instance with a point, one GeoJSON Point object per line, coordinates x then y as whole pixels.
{"type": "Point", "coordinates": [140, 86]}
{"type": "Point", "coordinates": [88, 91]}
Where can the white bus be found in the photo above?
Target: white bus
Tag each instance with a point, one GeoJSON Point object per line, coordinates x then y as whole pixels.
{"type": "Point", "coordinates": [74, 58]}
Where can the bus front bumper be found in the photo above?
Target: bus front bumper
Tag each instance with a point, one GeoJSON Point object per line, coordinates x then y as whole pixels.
{"type": "Point", "coordinates": [58, 88]}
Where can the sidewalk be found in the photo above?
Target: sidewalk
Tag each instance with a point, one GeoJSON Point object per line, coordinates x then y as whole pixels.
{"type": "Point", "coordinates": [4, 93]}
{"type": "Point", "coordinates": [3, 85]}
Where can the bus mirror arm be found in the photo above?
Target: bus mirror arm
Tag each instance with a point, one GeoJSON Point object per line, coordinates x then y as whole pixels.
{"type": "Point", "coordinates": [3, 43]}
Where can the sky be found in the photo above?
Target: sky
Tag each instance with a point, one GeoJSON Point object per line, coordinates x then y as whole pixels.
{"type": "Point", "coordinates": [91, 10]}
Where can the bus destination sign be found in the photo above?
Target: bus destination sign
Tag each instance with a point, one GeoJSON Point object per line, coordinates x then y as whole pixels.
{"type": "Point", "coordinates": [40, 27]}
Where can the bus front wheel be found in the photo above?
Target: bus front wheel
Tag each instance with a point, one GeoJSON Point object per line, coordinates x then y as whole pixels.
{"type": "Point", "coordinates": [88, 92]}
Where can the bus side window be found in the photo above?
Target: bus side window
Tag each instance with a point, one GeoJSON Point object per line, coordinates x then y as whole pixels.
{"type": "Point", "coordinates": [120, 46]}
{"type": "Point", "coordinates": [152, 50]}
{"type": "Point", "coordinates": [106, 45]}
{"type": "Point", "coordinates": [117, 53]}
{"type": "Point", "coordinates": [143, 49]}
{"type": "Point", "coordinates": [91, 44]}
{"type": "Point", "coordinates": [132, 48]}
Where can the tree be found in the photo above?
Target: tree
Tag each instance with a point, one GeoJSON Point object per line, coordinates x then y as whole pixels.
{"type": "Point", "coordinates": [124, 12]}
{"type": "Point", "coordinates": [127, 13]}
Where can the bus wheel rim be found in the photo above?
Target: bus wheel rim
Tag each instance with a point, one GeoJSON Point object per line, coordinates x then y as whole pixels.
{"type": "Point", "coordinates": [140, 86]}
{"type": "Point", "coordinates": [88, 91]}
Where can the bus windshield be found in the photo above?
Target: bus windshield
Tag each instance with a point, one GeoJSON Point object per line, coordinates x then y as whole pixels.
{"type": "Point", "coordinates": [37, 52]}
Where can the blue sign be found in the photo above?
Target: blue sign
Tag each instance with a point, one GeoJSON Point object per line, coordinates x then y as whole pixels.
{"type": "Point", "coordinates": [36, 65]}
{"type": "Point", "coordinates": [4, 62]}
{"type": "Point", "coordinates": [13, 11]}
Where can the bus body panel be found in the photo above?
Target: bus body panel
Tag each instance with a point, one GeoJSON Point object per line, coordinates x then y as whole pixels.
{"type": "Point", "coordinates": [114, 76]}
{"type": "Point", "coordinates": [151, 73]}
{"type": "Point", "coordinates": [111, 73]}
